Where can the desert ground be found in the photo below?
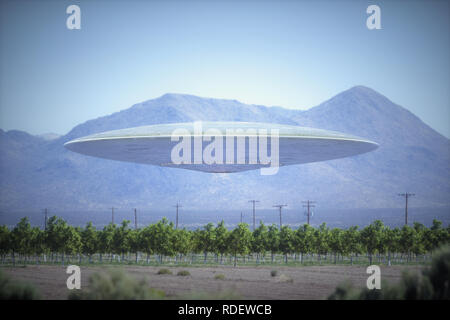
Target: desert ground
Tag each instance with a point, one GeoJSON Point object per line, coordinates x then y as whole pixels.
{"type": "Point", "coordinates": [308, 282]}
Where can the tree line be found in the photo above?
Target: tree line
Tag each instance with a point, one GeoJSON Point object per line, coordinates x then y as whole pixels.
{"type": "Point", "coordinates": [161, 241]}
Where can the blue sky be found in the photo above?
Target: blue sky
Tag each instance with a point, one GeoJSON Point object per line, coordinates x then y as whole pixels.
{"type": "Point", "coordinates": [294, 54]}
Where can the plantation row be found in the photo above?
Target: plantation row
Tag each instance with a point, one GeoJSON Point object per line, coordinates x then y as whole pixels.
{"type": "Point", "coordinates": [165, 242]}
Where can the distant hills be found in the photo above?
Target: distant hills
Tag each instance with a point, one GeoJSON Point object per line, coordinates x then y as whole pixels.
{"type": "Point", "coordinates": [49, 136]}
{"type": "Point", "coordinates": [38, 172]}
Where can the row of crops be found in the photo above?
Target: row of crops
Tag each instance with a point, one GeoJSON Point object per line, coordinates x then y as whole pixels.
{"type": "Point", "coordinates": [161, 243]}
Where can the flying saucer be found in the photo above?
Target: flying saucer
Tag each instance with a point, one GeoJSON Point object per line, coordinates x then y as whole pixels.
{"type": "Point", "coordinates": [221, 146]}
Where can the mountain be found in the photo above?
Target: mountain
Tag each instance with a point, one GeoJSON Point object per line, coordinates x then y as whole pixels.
{"type": "Point", "coordinates": [38, 173]}
{"type": "Point", "coordinates": [49, 136]}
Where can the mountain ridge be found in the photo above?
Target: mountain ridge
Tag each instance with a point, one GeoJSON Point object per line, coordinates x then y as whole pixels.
{"type": "Point", "coordinates": [412, 157]}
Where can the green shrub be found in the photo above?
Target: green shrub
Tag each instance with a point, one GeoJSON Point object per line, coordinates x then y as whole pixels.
{"type": "Point", "coordinates": [439, 274]}
{"type": "Point", "coordinates": [285, 278]}
{"type": "Point", "coordinates": [16, 290]}
{"type": "Point", "coordinates": [164, 271]}
{"type": "Point", "coordinates": [116, 285]}
{"type": "Point", "coordinates": [226, 294]}
{"type": "Point", "coordinates": [343, 291]}
{"type": "Point", "coordinates": [273, 273]}
{"type": "Point", "coordinates": [183, 273]}
{"type": "Point", "coordinates": [433, 284]}
{"type": "Point", "coordinates": [219, 277]}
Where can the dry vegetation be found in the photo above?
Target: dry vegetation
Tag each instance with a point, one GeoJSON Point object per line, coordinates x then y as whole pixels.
{"type": "Point", "coordinates": [315, 282]}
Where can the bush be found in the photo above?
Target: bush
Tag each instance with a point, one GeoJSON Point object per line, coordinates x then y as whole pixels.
{"type": "Point", "coordinates": [16, 290]}
{"type": "Point", "coordinates": [226, 294]}
{"type": "Point", "coordinates": [439, 274]}
{"type": "Point", "coordinates": [343, 291]}
{"type": "Point", "coordinates": [164, 271]}
{"type": "Point", "coordinates": [183, 273]}
{"type": "Point", "coordinates": [219, 277]}
{"type": "Point", "coordinates": [433, 284]}
{"type": "Point", "coordinates": [116, 285]}
{"type": "Point", "coordinates": [285, 278]}
{"type": "Point", "coordinates": [273, 273]}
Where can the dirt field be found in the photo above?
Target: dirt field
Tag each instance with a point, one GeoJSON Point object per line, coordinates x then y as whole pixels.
{"type": "Point", "coordinates": [315, 282]}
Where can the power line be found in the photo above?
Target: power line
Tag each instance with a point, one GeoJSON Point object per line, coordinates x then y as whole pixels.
{"type": "Point", "coordinates": [406, 195]}
{"type": "Point", "coordinates": [280, 206]}
{"type": "Point", "coordinates": [45, 219]}
{"type": "Point", "coordinates": [177, 206]}
{"type": "Point", "coordinates": [254, 222]}
{"type": "Point", "coordinates": [309, 205]}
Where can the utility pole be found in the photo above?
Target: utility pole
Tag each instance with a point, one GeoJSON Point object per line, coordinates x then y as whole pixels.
{"type": "Point", "coordinates": [253, 201]}
{"type": "Point", "coordinates": [112, 215]}
{"type": "Point", "coordinates": [177, 206]}
{"type": "Point", "coordinates": [135, 219]}
{"type": "Point", "coordinates": [406, 195]}
{"type": "Point", "coordinates": [309, 205]}
{"type": "Point", "coordinates": [241, 216]}
{"type": "Point", "coordinates": [280, 206]}
{"type": "Point", "coordinates": [45, 223]}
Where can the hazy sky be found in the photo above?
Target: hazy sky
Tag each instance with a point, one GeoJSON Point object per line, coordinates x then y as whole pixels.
{"type": "Point", "coordinates": [294, 54]}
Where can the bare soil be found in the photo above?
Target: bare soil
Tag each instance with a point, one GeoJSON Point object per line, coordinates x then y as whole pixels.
{"type": "Point", "coordinates": [308, 282]}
